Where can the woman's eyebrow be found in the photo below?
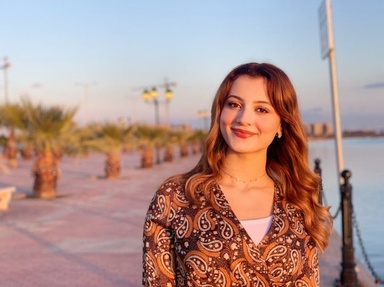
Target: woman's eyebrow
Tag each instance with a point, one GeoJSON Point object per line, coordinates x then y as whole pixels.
{"type": "Point", "coordinates": [234, 96]}
{"type": "Point", "coordinates": [255, 102]}
{"type": "Point", "coordinates": [262, 102]}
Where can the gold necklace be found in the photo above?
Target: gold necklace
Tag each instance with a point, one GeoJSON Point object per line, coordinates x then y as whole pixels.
{"type": "Point", "coordinates": [242, 180]}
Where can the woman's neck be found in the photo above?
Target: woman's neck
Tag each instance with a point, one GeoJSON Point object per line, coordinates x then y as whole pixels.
{"type": "Point", "coordinates": [245, 166]}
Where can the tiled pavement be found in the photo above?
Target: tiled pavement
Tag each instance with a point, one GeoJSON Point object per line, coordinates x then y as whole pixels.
{"type": "Point", "coordinates": [91, 234]}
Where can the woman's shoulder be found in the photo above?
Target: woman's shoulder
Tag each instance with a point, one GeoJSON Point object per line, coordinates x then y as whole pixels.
{"type": "Point", "coordinates": [173, 182]}
{"type": "Point", "coordinates": [178, 188]}
{"type": "Point", "coordinates": [171, 193]}
{"type": "Point", "coordinates": [172, 186]}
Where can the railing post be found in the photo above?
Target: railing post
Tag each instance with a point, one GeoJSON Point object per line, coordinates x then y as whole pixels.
{"type": "Point", "coordinates": [317, 170]}
{"type": "Point", "coordinates": [348, 277]}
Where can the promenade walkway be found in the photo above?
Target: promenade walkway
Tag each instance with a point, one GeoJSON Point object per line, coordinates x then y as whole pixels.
{"type": "Point", "coordinates": [91, 234]}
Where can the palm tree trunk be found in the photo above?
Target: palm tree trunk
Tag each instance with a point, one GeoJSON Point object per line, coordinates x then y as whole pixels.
{"type": "Point", "coordinates": [46, 173]}
{"type": "Point", "coordinates": [184, 150]}
{"type": "Point", "coordinates": [147, 157]}
{"type": "Point", "coordinates": [112, 166]}
{"type": "Point", "coordinates": [195, 147]}
{"type": "Point", "coordinates": [169, 154]}
{"type": "Point", "coordinates": [10, 151]}
{"type": "Point", "coordinates": [27, 152]}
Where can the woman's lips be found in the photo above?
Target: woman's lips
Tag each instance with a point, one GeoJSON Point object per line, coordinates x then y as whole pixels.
{"type": "Point", "coordinates": [242, 133]}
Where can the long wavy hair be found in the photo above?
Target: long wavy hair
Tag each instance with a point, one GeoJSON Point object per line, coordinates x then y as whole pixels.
{"type": "Point", "coordinates": [287, 157]}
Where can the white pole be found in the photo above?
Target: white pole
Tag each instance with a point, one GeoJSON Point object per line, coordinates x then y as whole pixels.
{"type": "Point", "coordinates": [5, 67]}
{"type": "Point", "coordinates": [334, 88]}
{"type": "Point", "coordinates": [86, 87]}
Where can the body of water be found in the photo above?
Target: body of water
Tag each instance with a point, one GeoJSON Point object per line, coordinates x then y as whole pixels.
{"type": "Point", "coordinates": [364, 157]}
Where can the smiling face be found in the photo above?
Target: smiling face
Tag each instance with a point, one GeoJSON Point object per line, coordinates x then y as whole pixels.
{"type": "Point", "coordinates": [248, 121]}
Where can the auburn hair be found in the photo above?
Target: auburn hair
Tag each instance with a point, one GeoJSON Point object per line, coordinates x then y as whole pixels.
{"type": "Point", "coordinates": [287, 157]}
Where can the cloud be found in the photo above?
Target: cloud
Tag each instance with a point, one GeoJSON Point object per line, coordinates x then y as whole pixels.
{"type": "Point", "coordinates": [378, 85]}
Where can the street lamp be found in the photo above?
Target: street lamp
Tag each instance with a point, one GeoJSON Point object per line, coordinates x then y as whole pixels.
{"type": "Point", "coordinates": [168, 98]}
{"type": "Point", "coordinates": [151, 96]}
{"type": "Point", "coordinates": [5, 66]}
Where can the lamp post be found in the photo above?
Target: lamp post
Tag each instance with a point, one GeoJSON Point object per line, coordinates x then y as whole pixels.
{"type": "Point", "coordinates": [151, 96]}
{"type": "Point", "coordinates": [6, 66]}
{"type": "Point", "coordinates": [328, 51]}
{"type": "Point", "coordinates": [168, 98]}
{"type": "Point", "coordinates": [86, 87]}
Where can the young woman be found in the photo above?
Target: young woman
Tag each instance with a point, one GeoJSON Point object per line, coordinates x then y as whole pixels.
{"type": "Point", "coordinates": [247, 213]}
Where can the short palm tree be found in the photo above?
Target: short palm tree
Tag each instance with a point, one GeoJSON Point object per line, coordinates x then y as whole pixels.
{"type": "Point", "coordinates": [78, 141]}
{"type": "Point", "coordinates": [197, 139]}
{"type": "Point", "coordinates": [183, 139]}
{"type": "Point", "coordinates": [150, 139]}
{"type": "Point", "coordinates": [109, 139]}
{"type": "Point", "coordinates": [169, 143]}
{"type": "Point", "coordinates": [12, 118]}
{"type": "Point", "coordinates": [49, 130]}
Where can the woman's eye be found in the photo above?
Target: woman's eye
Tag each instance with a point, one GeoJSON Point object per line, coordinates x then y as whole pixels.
{"type": "Point", "coordinates": [261, 110]}
{"type": "Point", "coordinates": [233, 104]}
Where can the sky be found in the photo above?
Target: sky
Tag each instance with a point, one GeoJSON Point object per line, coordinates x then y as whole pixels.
{"type": "Point", "coordinates": [99, 55]}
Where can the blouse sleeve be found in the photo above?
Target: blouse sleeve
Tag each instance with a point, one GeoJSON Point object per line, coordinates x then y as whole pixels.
{"type": "Point", "coordinates": [312, 276]}
{"type": "Point", "coordinates": [158, 250]}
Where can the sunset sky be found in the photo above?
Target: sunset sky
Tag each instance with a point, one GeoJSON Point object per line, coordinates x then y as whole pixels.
{"type": "Point", "coordinates": [119, 47]}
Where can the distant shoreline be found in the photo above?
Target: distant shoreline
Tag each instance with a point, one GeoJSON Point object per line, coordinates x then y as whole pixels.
{"type": "Point", "coordinates": [348, 135]}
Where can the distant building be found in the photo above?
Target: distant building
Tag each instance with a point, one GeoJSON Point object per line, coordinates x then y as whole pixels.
{"type": "Point", "coordinates": [328, 129]}
{"type": "Point", "coordinates": [319, 129]}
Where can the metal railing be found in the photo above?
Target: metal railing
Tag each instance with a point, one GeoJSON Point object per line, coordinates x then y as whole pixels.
{"type": "Point", "coordinates": [348, 276]}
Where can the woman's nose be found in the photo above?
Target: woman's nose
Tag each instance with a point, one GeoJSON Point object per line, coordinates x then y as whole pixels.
{"type": "Point", "coordinates": [245, 116]}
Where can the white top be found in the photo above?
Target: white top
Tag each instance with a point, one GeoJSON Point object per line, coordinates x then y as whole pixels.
{"type": "Point", "coordinates": [257, 228]}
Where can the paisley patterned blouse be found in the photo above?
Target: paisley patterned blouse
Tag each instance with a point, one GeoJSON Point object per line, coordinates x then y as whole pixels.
{"type": "Point", "coordinates": [205, 245]}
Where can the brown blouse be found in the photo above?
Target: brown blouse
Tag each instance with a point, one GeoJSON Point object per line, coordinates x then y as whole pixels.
{"type": "Point", "coordinates": [205, 245]}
